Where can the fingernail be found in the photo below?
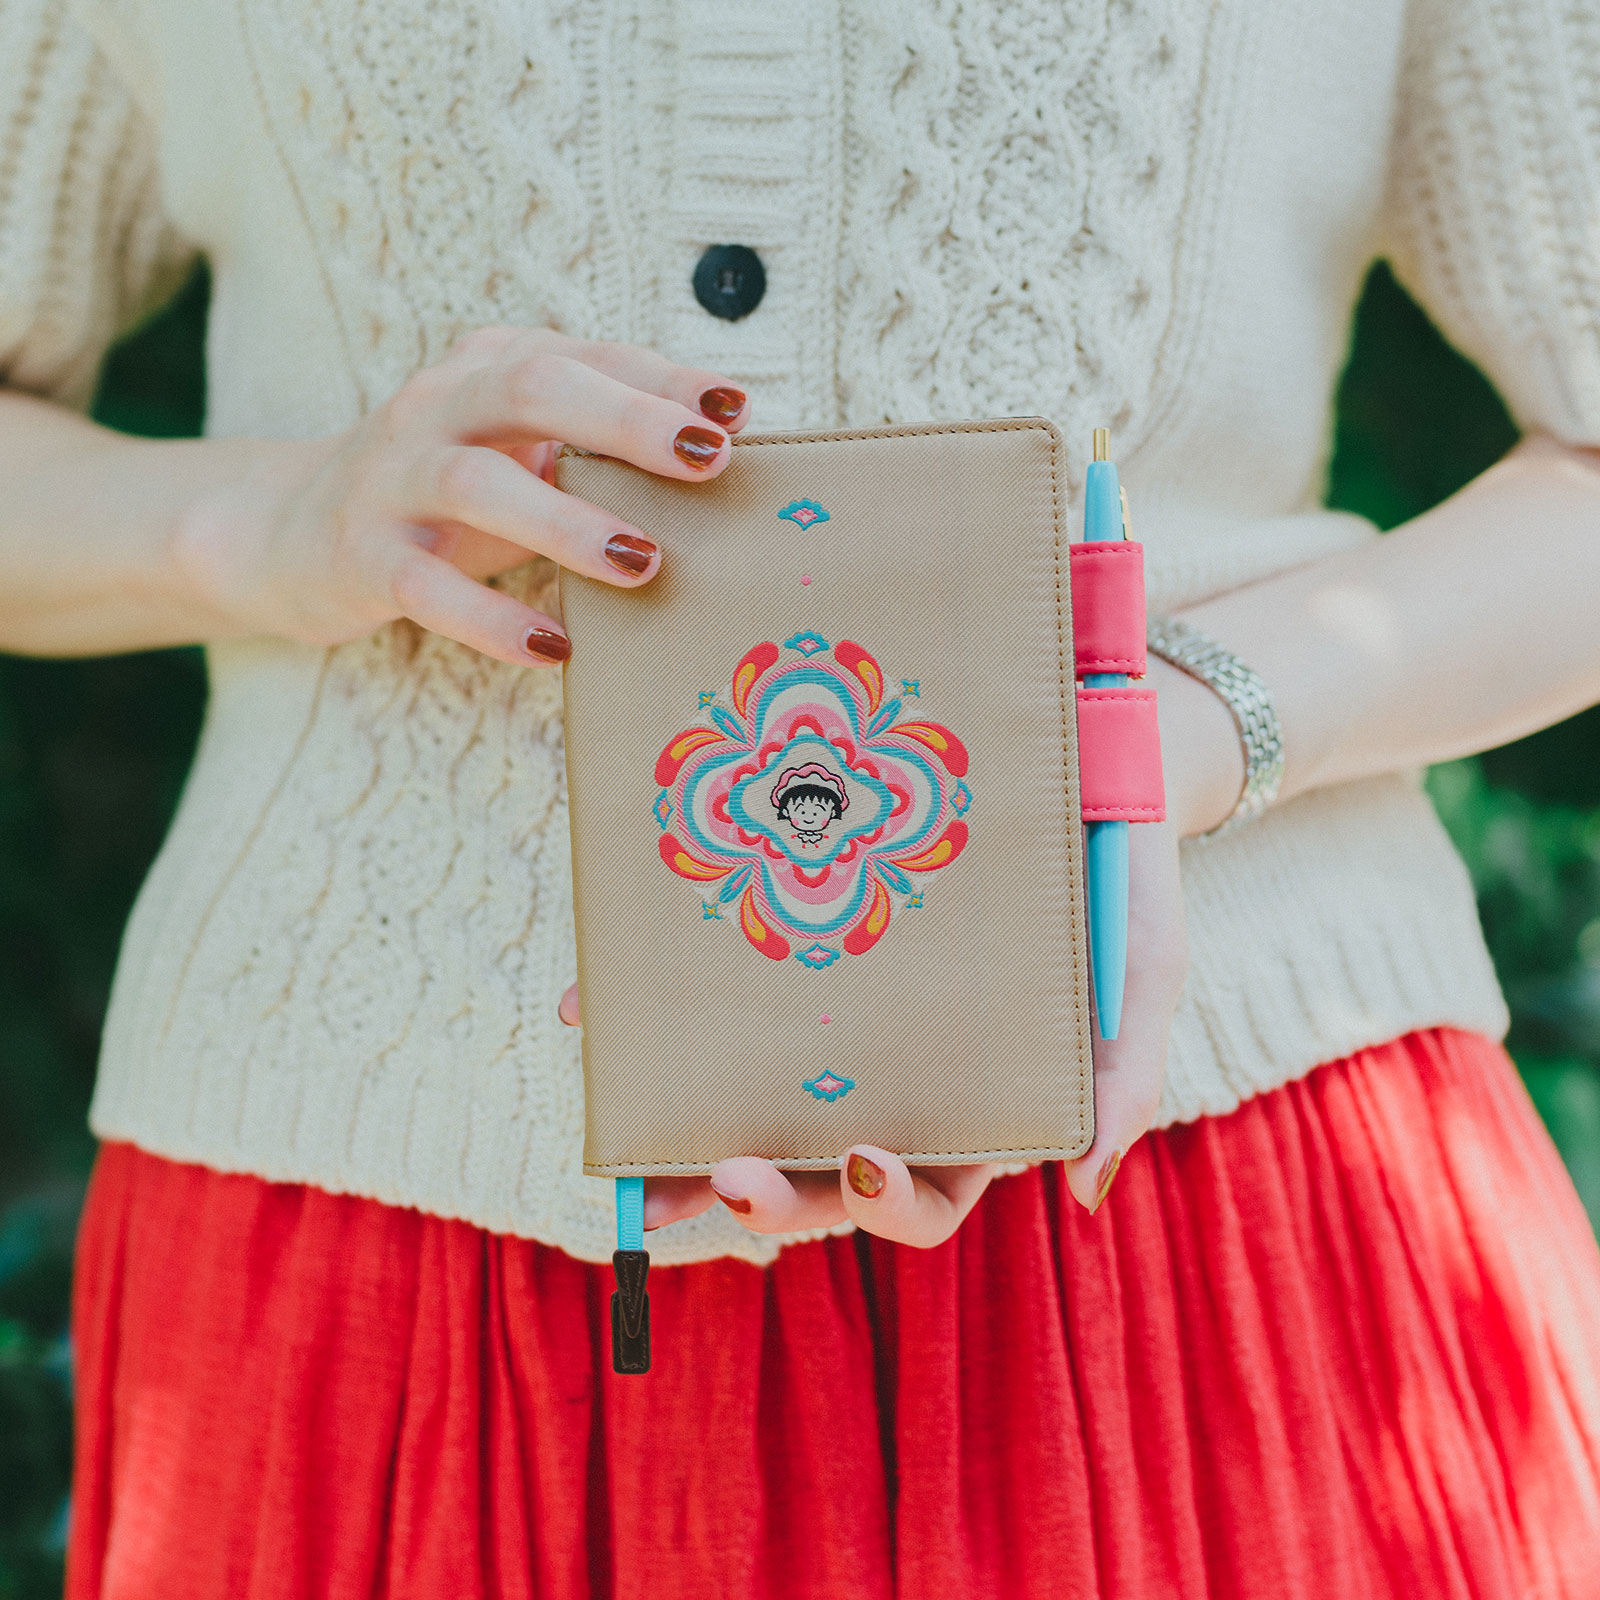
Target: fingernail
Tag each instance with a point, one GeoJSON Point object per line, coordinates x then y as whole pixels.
{"type": "Point", "coordinates": [722, 404]}
{"type": "Point", "coordinates": [732, 1201]}
{"type": "Point", "coordinates": [865, 1177]}
{"type": "Point", "coordinates": [697, 447]}
{"type": "Point", "coordinates": [545, 644]}
{"type": "Point", "coordinates": [630, 554]}
{"type": "Point", "coordinates": [1107, 1177]}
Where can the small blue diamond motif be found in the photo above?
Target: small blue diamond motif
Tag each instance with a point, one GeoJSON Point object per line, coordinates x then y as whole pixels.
{"type": "Point", "coordinates": [960, 799]}
{"type": "Point", "coordinates": [915, 900]}
{"type": "Point", "coordinates": [817, 956]}
{"type": "Point", "coordinates": [829, 1086]}
{"type": "Point", "coordinates": [911, 688]}
{"type": "Point", "coordinates": [804, 513]}
{"type": "Point", "coordinates": [706, 697]}
{"type": "Point", "coordinates": [808, 644]}
{"type": "Point", "coordinates": [662, 808]}
{"type": "Point", "coordinates": [710, 911]}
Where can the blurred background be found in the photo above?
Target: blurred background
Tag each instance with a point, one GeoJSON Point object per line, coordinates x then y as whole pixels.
{"type": "Point", "coordinates": [93, 754]}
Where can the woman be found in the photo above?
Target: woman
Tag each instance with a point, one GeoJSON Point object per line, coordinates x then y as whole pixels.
{"type": "Point", "coordinates": [339, 1326]}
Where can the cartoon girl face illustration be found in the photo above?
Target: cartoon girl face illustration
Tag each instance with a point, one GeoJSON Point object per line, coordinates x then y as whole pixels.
{"type": "Point", "coordinates": [810, 799]}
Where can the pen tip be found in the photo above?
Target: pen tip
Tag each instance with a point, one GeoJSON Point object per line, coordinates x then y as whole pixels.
{"type": "Point", "coordinates": [1102, 444]}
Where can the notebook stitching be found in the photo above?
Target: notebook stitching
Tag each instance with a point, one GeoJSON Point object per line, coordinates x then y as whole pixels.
{"type": "Point", "coordinates": [606, 1169]}
{"type": "Point", "coordinates": [1069, 705]}
{"type": "Point", "coordinates": [919, 430]}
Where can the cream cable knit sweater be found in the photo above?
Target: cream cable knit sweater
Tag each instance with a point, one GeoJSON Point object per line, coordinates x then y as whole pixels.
{"type": "Point", "coordinates": [345, 965]}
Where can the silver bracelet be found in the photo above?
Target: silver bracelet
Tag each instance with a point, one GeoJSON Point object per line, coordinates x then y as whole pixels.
{"type": "Point", "coordinates": [1249, 701]}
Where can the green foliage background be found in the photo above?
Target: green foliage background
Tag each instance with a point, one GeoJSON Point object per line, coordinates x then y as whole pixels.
{"type": "Point", "coordinates": [93, 753]}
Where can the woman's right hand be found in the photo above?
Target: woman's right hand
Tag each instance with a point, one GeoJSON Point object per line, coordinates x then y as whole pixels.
{"type": "Point", "coordinates": [450, 482]}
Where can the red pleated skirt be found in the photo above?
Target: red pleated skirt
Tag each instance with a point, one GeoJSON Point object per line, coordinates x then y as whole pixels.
{"type": "Point", "coordinates": [1343, 1343]}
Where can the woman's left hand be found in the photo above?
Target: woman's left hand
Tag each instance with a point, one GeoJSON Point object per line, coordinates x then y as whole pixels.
{"type": "Point", "coordinates": [923, 1206]}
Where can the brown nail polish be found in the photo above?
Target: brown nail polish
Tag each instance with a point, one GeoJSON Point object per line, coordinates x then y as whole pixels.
{"type": "Point", "coordinates": [630, 554]}
{"type": "Point", "coordinates": [732, 1201]}
{"type": "Point", "coordinates": [545, 644]}
{"type": "Point", "coordinates": [722, 404]}
{"type": "Point", "coordinates": [865, 1177]}
{"type": "Point", "coordinates": [1108, 1175]}
{"type": "Point", "coordinates": [697, 447]}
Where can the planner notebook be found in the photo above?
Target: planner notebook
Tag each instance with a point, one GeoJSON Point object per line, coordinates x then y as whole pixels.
{"type": "Point", "coordinates": [826, 843]}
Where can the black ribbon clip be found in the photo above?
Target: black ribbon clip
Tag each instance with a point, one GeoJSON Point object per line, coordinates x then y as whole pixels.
{"type": "Point", "coordinates": [630, 1312]}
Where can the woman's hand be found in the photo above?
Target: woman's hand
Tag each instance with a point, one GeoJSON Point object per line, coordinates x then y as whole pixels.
{"type": "Point", "coordinates": [1203, 770]}
{"type": "Point", "coordinates": [877, 1191]}
{"type": "Point", "coordinates": [447, 483]}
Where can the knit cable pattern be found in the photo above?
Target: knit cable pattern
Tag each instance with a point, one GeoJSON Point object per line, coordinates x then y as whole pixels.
{"type": "Point", "coordinates": [999, 302]}
{"type": "Point", "coordinates": [1494, 214]}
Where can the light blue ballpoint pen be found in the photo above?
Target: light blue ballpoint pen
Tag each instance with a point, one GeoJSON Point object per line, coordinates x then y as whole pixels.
{"type": "Point", "coordinates": [1106, 843]}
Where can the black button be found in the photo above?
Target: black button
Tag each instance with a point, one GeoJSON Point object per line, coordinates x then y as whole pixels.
{"type": "Point", "coordinates": [730, 281]}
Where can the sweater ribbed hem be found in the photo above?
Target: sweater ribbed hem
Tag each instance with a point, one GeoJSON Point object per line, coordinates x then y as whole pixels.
{"type": "Point", "coordinates": [1342, 920]}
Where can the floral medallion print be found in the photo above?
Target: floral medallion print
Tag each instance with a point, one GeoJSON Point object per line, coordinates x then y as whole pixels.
{"type": "Point", "coordinates": [805, 808]}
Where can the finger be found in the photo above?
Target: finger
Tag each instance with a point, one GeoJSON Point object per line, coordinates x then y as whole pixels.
{"type": "Point", "coordinates": [1130, 1069]}
{"type": "Point", "coordinates": [480, 555]}
{"type": "Point", "coordinates": [766, 1200]}
{"type": "Point", "coordinates": [710, 393]}
{"type": "Point", "coordinates": [713, 394]}
{"type": "Point", "coordinates": [672, 1199]}
{"type": "Point", "coordinates": [553, 396]}
{"type": "Point", "coordinates": [1125, 1097]}
{"type": "Point", "coordinates": [568, 1009]}
{"type": "Point", "coordinates": [486, 490]}
{"type": "Point", "coordinates": [432, 593]}
{"type": "Point", "coordinates": [880, 1193]}
{"type": "Point", "coordinates": [1128, 1074]}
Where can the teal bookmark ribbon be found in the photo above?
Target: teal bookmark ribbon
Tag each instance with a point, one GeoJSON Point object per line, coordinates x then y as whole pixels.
{"type": "Point", "coordinates": [630, 1213]}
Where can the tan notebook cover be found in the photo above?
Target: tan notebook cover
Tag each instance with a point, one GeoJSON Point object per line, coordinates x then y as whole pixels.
{"type": "Point", "coordinates": [827, 858]}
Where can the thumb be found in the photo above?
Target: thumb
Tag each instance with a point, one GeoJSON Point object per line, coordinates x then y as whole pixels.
{"type": "Point", "coordinates": [1130, 1069]}
{"type": "Point", "coordinates": [1124, 1107]}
